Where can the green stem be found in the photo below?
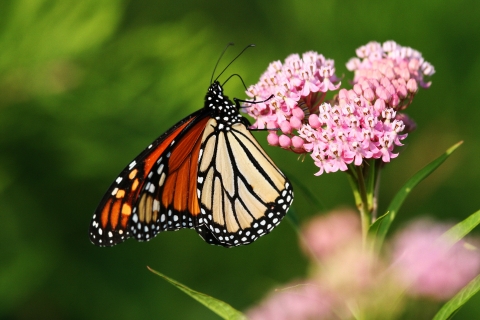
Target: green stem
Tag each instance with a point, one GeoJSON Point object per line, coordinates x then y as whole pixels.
{"type": "Point", "coordinates": [376, 189]}
{"type": "Point", "coordinates": [361, 195]}
{"type": "Point", "coordinates": [365, 214]}
{"type": "Point", "coordinates": [352, 178]}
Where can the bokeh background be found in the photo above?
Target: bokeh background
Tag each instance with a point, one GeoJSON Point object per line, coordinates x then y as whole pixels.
{"type": "Point", "coordinates": [86, 85]}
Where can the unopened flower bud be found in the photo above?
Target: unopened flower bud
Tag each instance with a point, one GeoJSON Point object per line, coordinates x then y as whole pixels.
{"type": "Point", "coordinates": [272, 138]}
{"type": "Point", "coordinates": [284, 141]}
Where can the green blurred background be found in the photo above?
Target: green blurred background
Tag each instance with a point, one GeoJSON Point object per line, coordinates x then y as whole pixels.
{"type": "Point", "coordinates": [86, 85]}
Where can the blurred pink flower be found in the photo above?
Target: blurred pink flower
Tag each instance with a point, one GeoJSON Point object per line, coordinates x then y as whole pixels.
{"type": "Point", "coordinates": [347, 280]}
{"type": "Point", "coordinates": [296, 302]}
{"type": "Point", "coordinates": [325, 234]}
{"type": "Point", "coordinates": [341, 265]}
{"type": "Point", "coordinates": [429, 265]}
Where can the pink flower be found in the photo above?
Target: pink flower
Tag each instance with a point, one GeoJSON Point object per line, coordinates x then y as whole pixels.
{"type": "Point", "coordinates": [325, 234]}
{"type": "Point", "coordinates": [429, 265]}
{"type": "Point", "coordinates": [298, 86]}
{"type": "Point", "coordinates": [296, 302]}
{"type": "Point", "coordinates": [359, 124]}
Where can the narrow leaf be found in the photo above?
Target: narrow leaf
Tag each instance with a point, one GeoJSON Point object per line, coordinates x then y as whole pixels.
{"type": "Point", "coordinates": [373, 230]}
{"type": "Point", "coordinates": [221, 308]}
{"type": "Point", "coordinates": [461, 229]}
{"type": "Point", "coordinates": [458, 300]}
{"type": "Point", "coordinates": [405, 191]}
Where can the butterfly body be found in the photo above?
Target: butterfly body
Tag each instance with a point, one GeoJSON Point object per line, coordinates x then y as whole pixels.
{"type": "Point", "coordinates": [206, 173]}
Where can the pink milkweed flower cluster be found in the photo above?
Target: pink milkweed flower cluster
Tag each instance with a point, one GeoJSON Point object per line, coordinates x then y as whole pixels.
{"type": "Point", "coordinates": [298, 86]}
{"type": "Point", "coordinates": [429, 264]}
{"type": "Point", "coordinates": [419, 263]}
{"type": "Point", "coordinates": [360, 123]}
{"type": "Point", "coordinates": [297, 301]}
{"type": "Point", "coordinates": [341, 272]}
{"type": "Point", "coordinates": [324, 235]}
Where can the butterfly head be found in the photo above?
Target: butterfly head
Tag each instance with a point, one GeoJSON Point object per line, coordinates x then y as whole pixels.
{"type": "Point", "coordinates": [215, 91]}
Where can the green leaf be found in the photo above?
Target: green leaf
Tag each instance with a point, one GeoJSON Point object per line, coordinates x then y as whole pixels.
{"type": "Point", "coordinates": [373, 230]}
{"type": "Point", "coordinates": [221, 308]}
{"type": "Point", "coordinates": [458, 300]}
{"type": "Point", "coordinates": [461, 229]}
{"type": "Point", "coordinates": [405, 191]}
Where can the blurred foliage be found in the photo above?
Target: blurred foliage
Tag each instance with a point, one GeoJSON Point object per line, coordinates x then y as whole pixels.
{"type": "Point", "coordinates": [85, 86]}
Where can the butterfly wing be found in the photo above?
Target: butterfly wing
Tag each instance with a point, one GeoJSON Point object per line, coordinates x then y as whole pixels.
{"type": "Point", "coordinates": [242, 193]}
{"type": "Point", "coordinates": [156, 191]}
{"type": "Point", "coordinates": [207, 172]}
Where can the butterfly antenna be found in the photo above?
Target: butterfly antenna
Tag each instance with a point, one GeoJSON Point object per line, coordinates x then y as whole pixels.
{"type": "Point", "coordinates": [238, 55]}
{"type": "Point", "coordinates": [235, 75]}
{"type": "Point", "coordinates": [219, 58]}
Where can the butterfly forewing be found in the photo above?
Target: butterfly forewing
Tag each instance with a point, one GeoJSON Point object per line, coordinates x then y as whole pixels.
{"type": "Point", "coordinates": [176, 202]}
{"type": "Point", "coordinates": [135, 202]}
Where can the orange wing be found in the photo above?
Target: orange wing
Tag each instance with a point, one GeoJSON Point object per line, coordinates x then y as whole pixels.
{"type": "Point", "coordinates": [156, 191]}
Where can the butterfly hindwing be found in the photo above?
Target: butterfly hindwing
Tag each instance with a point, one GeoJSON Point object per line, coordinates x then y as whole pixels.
{"type": "Point", "coordinates": [243, 194]}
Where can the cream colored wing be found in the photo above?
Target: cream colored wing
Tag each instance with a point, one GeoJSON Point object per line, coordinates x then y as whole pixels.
{"type": "Point", "coordinates": [242, 193]}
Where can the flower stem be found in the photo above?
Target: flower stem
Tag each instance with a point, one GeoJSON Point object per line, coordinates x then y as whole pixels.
{"type": "Point", "coordinates": [363, 207]}
{"type": "Point", "coordinates": [376, 180]}
{"type": "Point", "coordinates": [357, 183]}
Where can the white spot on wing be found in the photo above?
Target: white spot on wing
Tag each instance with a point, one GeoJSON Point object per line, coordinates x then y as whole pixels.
{"type": "Point", "coordinates": [152, 188]}
{"type": "Point", "coordinates": [160, 169]}
{"type": "Point", "coordinates": [131, 165]}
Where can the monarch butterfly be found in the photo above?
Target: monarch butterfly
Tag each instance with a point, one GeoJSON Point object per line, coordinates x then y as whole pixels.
{"type": "Point", "coordinates": [206, 173]}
